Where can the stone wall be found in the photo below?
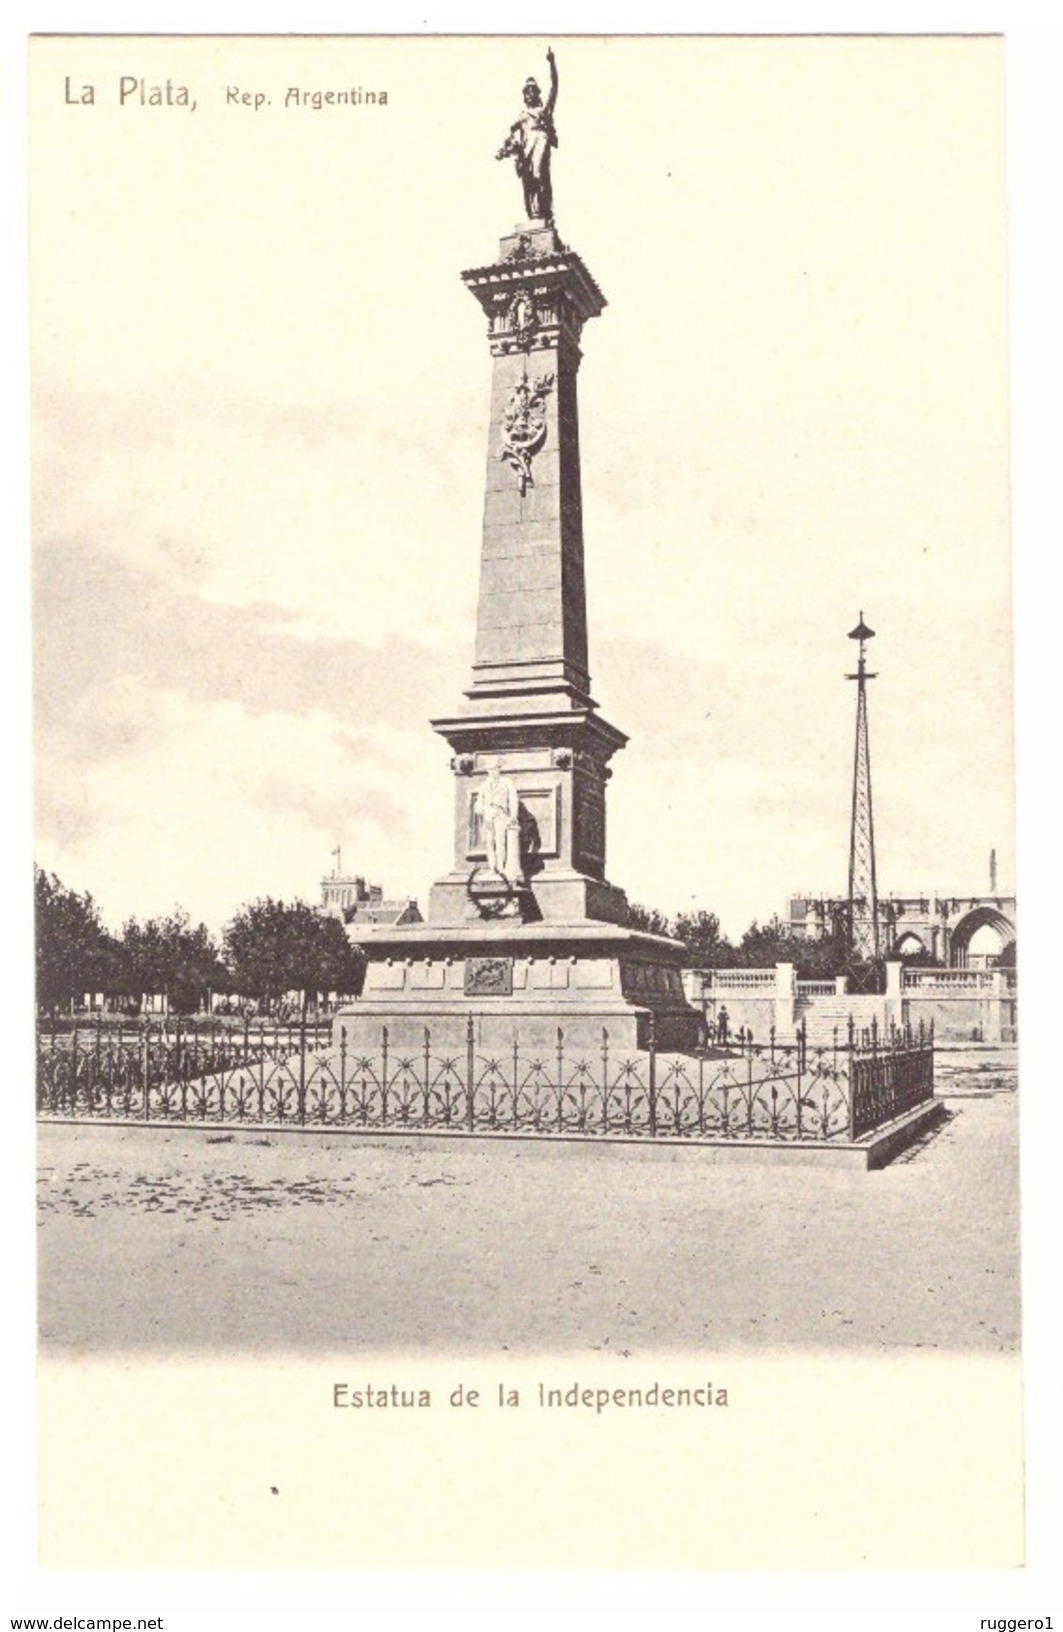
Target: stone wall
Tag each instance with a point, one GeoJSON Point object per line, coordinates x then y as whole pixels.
{"type": "Point", "coordinates": [964, 1005]}
{"type": "Point", "coordinates": [755, 999]}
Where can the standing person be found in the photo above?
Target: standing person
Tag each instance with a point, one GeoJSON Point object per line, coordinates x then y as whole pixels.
{"type": "Point", "coordinates": [723, 1024]}
{"type": "Point", "coordinates": [530, 139]}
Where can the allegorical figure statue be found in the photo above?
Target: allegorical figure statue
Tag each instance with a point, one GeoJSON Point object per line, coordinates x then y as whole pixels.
{"type": "Point", "coordinates": [530, 139]}
{"type": "Point", "coordinates": [500, 823]}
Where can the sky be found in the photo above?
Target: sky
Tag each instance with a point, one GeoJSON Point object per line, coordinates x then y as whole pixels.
{"type": "Point", "coordinates": [259, 421]}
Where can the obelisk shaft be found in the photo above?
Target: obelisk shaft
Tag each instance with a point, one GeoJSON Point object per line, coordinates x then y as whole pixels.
{"type": "Point", "coordinates": [531, 632]}
{"type": "Point", "coordinates": [531, 627]}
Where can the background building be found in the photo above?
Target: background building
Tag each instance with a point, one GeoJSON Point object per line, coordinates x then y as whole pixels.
{"type": "Point", "coordinates": [961, 932]}
{"type": "Point", "coordinates": [350, 899]}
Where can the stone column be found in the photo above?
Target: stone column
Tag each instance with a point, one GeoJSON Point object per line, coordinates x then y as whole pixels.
{"type": "Point", "coordinates": [785, 999]}
{"type": "Point", "coordinates": [894, 992]}
{"type": "Point", "coordinates": [995, 1008]}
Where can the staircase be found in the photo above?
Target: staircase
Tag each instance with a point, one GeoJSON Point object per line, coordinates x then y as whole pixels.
{"type": "Point", "coordinates": [823, 1015]}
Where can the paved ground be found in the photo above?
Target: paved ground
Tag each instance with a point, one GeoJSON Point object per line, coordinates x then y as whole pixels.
{"type": "Point", "coordinates": [977, 1069]}
{"type": "Point", "coordinates": [179, 1239]}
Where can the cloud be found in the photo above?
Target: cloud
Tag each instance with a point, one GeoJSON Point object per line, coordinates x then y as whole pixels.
{"type": "Point", "coordinates": [192, 752]}
{"type": "Point", "coordinates": [735, 788]}
{"type": "Point", "coordinates": [101, 623]}
{"type": "Point", "coordinates": [216, 806]}
{"type": "Point", "coordinates": [319, 510]}
{"type": "Point", "coordinates": [164, 719]}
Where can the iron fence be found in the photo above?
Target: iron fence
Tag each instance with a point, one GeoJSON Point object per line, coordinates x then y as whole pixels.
{"type": "Point", "coordinates": [886, 1083]}
{"type": "Point", "coordinates": [291, 1075]}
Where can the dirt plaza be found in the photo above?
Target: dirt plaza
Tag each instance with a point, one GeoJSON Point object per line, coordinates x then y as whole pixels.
{"type": "Point", "coordinates": [174, 1238]}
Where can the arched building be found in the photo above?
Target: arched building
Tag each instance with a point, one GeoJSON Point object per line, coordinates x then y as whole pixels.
{"type": "Point", "coordinates": [961, 932]}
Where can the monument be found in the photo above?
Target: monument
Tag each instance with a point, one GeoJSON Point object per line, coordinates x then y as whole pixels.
{"type": "Point", "coordinates": [525, 933]}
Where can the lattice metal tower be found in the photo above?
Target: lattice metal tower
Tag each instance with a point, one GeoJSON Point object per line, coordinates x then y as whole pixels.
{"type": "Point", "coordinates": [863, 892]}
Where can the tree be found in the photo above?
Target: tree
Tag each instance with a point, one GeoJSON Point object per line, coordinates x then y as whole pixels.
{"type": "Point", "coordinates": [75, 954]}
{"type": "Point", "coordinates": [170, 956]}
{"type": "Point", "coordinates": [824, 956]}
{"type": "Point", "coordinates": [649, 920]}
{"type": "Point", "coordinates": [335, 965]}
{"type": "Point", "coordinates": [272, 948]}
{"type": "Point", "coordinates": [700, 934]}
{"type": "Point", "coordinates": [764, 945]}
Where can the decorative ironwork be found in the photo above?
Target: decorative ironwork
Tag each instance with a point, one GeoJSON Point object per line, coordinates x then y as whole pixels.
{"type": "Point", "coordinates": [524, 426]}
{"type": "Point", "coordinates": [773, 1093]}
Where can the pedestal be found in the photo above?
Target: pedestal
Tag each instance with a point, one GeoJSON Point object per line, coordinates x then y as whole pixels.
{"type": "Point", "coordinates": [521, 982]}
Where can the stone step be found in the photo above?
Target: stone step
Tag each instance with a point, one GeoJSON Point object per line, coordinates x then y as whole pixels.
{"type": "Point", "coordinates": [862, 1011]}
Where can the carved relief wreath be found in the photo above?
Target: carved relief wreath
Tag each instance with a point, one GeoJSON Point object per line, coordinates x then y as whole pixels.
{"type": "Point", "coordinates": [524, 426]}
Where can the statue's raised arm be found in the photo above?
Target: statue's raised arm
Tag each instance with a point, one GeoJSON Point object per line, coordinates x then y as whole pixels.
{"type": "Point", "coordinates": [551, 100]}
{"type": "Point", "coordinates": [530, 140]}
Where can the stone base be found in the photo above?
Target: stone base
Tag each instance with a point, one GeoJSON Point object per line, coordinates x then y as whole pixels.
{"type": "Point", "coordinates": [530, 238]}
{"type": "Point", "coordinates": [554, 896]}
{"type": "Point", "coordinates": [519, 979]}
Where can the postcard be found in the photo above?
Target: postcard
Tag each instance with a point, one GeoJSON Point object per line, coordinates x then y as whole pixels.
{"type": "Point", "coordinates": [527, 1000]}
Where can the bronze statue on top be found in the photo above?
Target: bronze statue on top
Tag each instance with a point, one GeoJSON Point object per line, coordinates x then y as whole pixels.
{"type": "Point", "coordinates": [530, 139]}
